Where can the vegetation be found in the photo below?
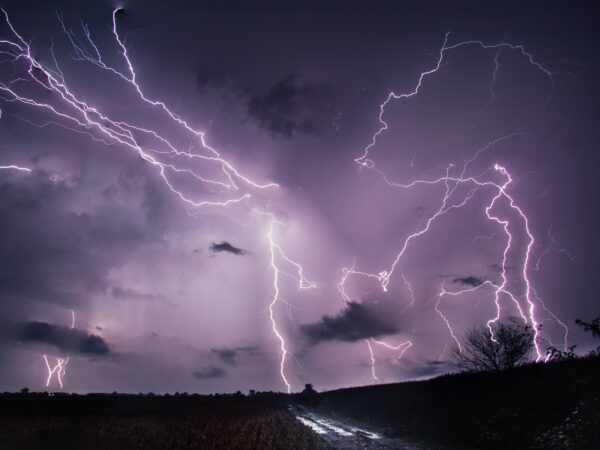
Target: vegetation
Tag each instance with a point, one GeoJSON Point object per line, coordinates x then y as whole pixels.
{"type": "Point", "coordinates": [499, 403]}
{"type": "Point", "coordinates": [520, 408]}
{"type": "Point", "coordinates": [592, 327]}
{"type": "Point", "coordinates": [150, 422]}
{"type": "Point", "coordinates": [506, 349]}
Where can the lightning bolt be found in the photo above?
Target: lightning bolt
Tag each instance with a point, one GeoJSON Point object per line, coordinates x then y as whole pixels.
{"type": "Point", "coordinates": [403, 346]}
{"type": "Point", "coordinates": [17, 168]}
{"type": "Point", "coordinates": [450, 182]}
{"type": "Point", "coordinates": [226, 185]}
{"type": "Point", "coordinates": [74, 114]}
{"type": "Point", "coordinates": [59, 369]}
{"type": "Point", "coordinates": [276, 254]}
{"type": "Point", "coordinates": [364, 160]}
{"type": "Point", "coordinates": [549, 248]}
{"type": "Point", "coordinates": [89, 119]}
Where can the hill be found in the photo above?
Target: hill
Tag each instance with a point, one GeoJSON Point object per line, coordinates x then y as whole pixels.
{"type": "Point", "coordinates": [543, 406]}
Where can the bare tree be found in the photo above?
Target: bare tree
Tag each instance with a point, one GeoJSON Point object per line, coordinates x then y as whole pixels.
{"type": "Point", "coordinates": [508, 348]}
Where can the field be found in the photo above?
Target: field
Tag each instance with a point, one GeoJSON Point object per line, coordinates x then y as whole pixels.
{"type": "Point", "coordinates": [124, 422]}
{"type": "Point", "coordinates": [537, 406]}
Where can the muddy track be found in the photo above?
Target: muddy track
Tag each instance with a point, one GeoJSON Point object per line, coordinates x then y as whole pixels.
{"type": "Point", "coordinates": [347, 435]}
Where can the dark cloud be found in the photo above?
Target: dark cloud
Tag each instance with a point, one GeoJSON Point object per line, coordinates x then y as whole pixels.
{"type": "Point", "coordinates": [357, 321]}
{"type": "Point", "coordinates": [207, 79]}
{"type": "Point", "coordinates": [289, 107]}
{"type": "Point", "coordinates": [209, 372]}
{"type": "Point", "coordinates": [213, 78]}
{"type": "Point", "coordinates": [469, 281]}
{"type": "Point", "coordinates": [50, 253]}
{"type": "Point", "coordinates": [66, 339]}
{"type": "Point", "coordinates": [230, 355]}
{"type": "Point", "coordinates": [225, 246]}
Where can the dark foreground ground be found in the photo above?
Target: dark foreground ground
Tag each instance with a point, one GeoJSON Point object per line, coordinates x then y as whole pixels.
{"type": "Point", "coordinates": [538, 406]}
{"type": "Point", "coordinates": [113, 422]}
{"type": "Point", "coordinates": [547, 406]}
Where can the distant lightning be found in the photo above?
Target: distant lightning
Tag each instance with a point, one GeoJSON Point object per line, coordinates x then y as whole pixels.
{"type": "Point", "coordinates": [550, 248]}
{"type": "Point", "coordinates": [444, 350]}
{"type": "Point", "coordinates": [479, 237]}
{"type": "Point", "coordinates": [495, 74]}
{"type": "Point", "coordinates": [18, 168]}
{"type": "Point", "coordinates": [410, 291]}
{"type": "Point", "coordinates": [59, 369]}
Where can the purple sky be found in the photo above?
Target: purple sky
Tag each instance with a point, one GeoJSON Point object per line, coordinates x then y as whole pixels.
{"type": "Point", "coordinates": [169, 296]}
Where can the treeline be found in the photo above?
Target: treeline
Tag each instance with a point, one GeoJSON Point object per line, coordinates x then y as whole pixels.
{"type": "Point", "coordinates": [251, 394]}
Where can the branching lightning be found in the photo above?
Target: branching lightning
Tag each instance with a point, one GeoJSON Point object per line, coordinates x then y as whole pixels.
{"type": "Point", "coordinates": [80, 115]}
{"type": "Point", "coordinates": [277, 253]}
{"type": "Point", "coordinates": [226, 185]}
{"type": "Point", "coordinates": [101, 127]}
{"type": "Point", "coordinates": [59, 369]}
{"type": "Point", "coordinates": [526, 307]}
{"type": "Point", "coordinates": [403, 346]}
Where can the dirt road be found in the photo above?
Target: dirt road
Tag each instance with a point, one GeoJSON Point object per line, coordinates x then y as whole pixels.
{"type": "Point", "coordinates": [347, 435]}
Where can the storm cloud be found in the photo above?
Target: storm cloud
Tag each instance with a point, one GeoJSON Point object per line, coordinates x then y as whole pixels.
{"type": "Point", "coordinates": [469, 281]}
{"type": "Point", "coordinates": [356, 321]}
{"type": "Point", "coordinates": [230, 355]}
{"type": "Point", "coordinates": [226, 247]}
{"type": "Point", "coordinates": [290, 107]}
{"type": "Point", "coordinates": [65, 339]}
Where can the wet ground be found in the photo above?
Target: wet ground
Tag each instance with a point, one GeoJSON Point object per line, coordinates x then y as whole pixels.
{"type": "Point", "coordinates": [347, 434]}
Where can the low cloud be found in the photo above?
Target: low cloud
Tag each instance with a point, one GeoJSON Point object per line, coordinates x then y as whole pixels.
{"type": "Point", "coordinates": [357, 321]}
{"type": "Point", "coordinates": [226, 247]}
{"type": "Point", "coordinates": [119, 293]}
{"type": "Point", "coordinates": [66, 339]}
{"type": "Point", "coordinates": [209, 372]}
{"type": "Point", "coordinates": [230, 355]}
{"type": "Point", "coordinates": [469, 281]}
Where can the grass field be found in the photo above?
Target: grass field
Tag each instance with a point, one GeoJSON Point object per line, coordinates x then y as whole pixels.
{"type": "Point", "coordinates": [121, 422]}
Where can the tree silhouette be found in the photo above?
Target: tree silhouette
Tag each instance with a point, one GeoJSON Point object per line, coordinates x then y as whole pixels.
{"type": "Point", "coordinates": [481, 351]}
{"type": "Point", "coordinates": [593, 326]}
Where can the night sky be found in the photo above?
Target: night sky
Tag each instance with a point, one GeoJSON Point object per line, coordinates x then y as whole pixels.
{"type": "Point", "coordinates": [110, 257]}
